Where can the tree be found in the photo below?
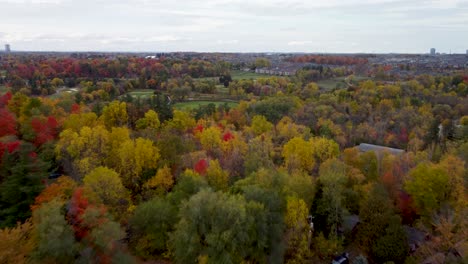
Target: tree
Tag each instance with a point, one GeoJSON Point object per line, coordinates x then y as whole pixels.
{"type": "Point", "coordinates": [150, 227]}
{"type": "Point", "coordinates": [215, 227]}
{"type": "Point", "coordinates": [17, 243]}
{"type": "Point", "coordinates": [61, 191]}
{"type": "Point", "coordinates": [210, 139]}
{"type": "Point", "coordinates": [216, 176]}
{"type": "Point", "coordinates": [115, 114]}
{"type": "Point", "coordinates": [298, 155]}
{"type": "Point", "coordinates": [260, 125]}
{"type": "Point", "coordinates": [151, 121]}
{"type": "Point", "coordinates": [297, 230]}
{"type": "Point", "coordinates": [136, 156]}
{"type": "Point", "coordinates": [104, 186]}
{"type": "Point", "coordinates": [56, 242]}
{"type": "Point", "coordinates": [329, 202]}
{"type": "Point", "coordinates": [163, 180]}
{"type": "Point", "coordinates": [83, 151]}
{"type": "Point", "coordinates": [22, 175]}
{"type": "Point", "coordinates": [7, 123]}
{"type": "Point", "coordinates": [429, 187]}
{"type": "Point", "coordinates": [380, 232]}
{"type": "Point", "coordinates": [181, 121]}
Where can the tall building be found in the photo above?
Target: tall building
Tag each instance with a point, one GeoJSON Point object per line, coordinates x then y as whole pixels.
{"type": "Point", "coordinates": [7, 48]}
{"type": "Point", "coordinates": [433, 51]}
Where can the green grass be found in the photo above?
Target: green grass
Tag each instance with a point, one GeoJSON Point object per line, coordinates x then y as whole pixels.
{"type": "Point", "coordinates": [241, 75]}
{"type": "Point", "coordinates": [196, 104]}
{"type": "Point", "coordinates": [142, 93]}
{"type": "Point", "coordinates": [237, 75]}
{"type": "Point", "coordinates": [333, 83]}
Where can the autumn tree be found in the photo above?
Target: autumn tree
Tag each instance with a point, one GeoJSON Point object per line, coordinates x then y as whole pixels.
{"type": "Point", "coordinates": [115, 114]}
{"type": "Point", "coordinates": [56, 242]}
{"type": "Point", "coordinates": [150, 227]}
{"type": "Point", "coordinates": [298, 155]}
{"type": "Point", "coordinates": [260, 125]}
{"type": "Point", "coordinates": [216, 176]}
{"type": "Point", "coordinates": [163, 181]}
{"type": "Point", "coordinates": [215, 227]}
{"type": "Point", "coordinates": [136, 156]}
{"type": "Point", "coordinates": [297, 232]}
{"type": "Point", "coordinates": [104, 186]}
{"type": "Point", "coordinates": [17, 243]}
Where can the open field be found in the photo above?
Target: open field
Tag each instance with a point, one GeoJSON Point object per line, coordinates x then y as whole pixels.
{"type": "Point", "coordinates": [333, 83]}
{"type": "Point", "coordinates": [340, 82]}
{"type": "Point", "coordinates": [196, 104]}
{"type": "Point", "coordinates": [142, 93]}
{"type": "Point", "coordinates": [241, 75]}
{"type": "Point", "coordinates": [237, 75]}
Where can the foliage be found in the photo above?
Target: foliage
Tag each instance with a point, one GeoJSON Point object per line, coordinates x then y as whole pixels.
{"type": "Point", "coordinates": [17, 243]}
{"type": "Point", "coordinates": [104, 186]}
{"type": "Point", "coordinates": [150, 227]}
{"type": "Point", "coordinates": [55, 239]}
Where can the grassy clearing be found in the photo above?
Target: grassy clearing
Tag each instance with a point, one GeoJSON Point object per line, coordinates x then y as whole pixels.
{"type": "Point", "coordinates": [141, 93]}
{"type": "Point", "coordinates": [196, 104]}
{"type": "Point", "coordinates": [241, 75]}
{"type": "Point", "coordinates": [333, 83]}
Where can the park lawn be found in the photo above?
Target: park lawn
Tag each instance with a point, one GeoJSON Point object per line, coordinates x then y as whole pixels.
{"type": "Point", "coordinates": [144, 93]}
{"type": "Point", "coordinates": [195, 104]}
{"type": "Point", "coordinates": [332, 83]}
{"type": "Point", "coordinates": [241, 75]}
{"type": "Point", "coordinates": [237, 75]}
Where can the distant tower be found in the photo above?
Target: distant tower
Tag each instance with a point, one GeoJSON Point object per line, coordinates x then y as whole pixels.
{"type": "Point", "coordinates": [7, 48]}
{"type": "Point", "coordinates": [433, 51]}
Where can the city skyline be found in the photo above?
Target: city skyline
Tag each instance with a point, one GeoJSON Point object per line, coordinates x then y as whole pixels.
{"type": "Point", "coordinates": [379, 26]}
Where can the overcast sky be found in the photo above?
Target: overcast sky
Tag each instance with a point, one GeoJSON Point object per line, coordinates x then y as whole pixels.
{"type": "Point", "coordinates": [406, 26]}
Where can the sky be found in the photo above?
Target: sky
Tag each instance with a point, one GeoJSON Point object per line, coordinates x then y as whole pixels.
{"type": "Point", "coordinates": [328, 26]}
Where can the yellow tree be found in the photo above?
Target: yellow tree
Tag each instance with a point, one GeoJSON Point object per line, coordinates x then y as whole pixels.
{"type": "Point", "coordinates": [216, 176]}
{"type": "Point", "coordinates": [135, 157]}
{"type": "Point", "coordinates": [181, 121]}
{"type": "Point", "coordinates": [150, 121]}
{"type": "Point", "coordinates": [298, 155]}
{"type": "Point", "coordinates": [287, 129]}
{"type": "Point", "coordinates": [83, 151]}
{"type": "Point", "coordinates": [261, 125]}
{"type": "Point", "coordinates": [324, 148]}
{"type": "Point", "coordinates": [103, 185]}
{"type": "Point", "coordinates": [115, 114]}
{"type": "Point", "coordinates": [77, 121]}
{"type": "Point", "coordinates": [297, 230]}
{"type": "Point", "coordinates": [210, 139]}
{"type": "Point", "coordinates": [17, 243]}
{"type": "Point", "coordinates": [163, 180]}
{"type": "Point", "coordinates": [116, 137]}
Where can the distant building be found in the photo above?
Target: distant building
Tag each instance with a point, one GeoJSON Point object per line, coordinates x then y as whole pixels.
{"type": "Point", "coordinates": [466, 52]}
{"type": "Point", "coordinates": [7, 48]}
{"type": "Point", "coordinates": [433, 51]}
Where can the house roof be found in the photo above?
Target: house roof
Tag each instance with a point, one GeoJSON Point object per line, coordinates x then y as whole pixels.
{"type": "Point", "coordinates": [364, 147]}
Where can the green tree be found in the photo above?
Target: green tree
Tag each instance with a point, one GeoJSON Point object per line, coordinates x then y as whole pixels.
{"type": "Point", "coordinates": [215, 227]}
{"type": "Point", "coordinates": [260, 125]}
{"type": "Point", "coordinates": [21, 176]}
{"type": "Point", "coordinates": [216, 176]}
{"type": "Point", "coordinates": [429, 187]}
{"type": "Point", "coordinates": [150, 227]}
{"type": "Point", "coordinates": [55, 238]}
